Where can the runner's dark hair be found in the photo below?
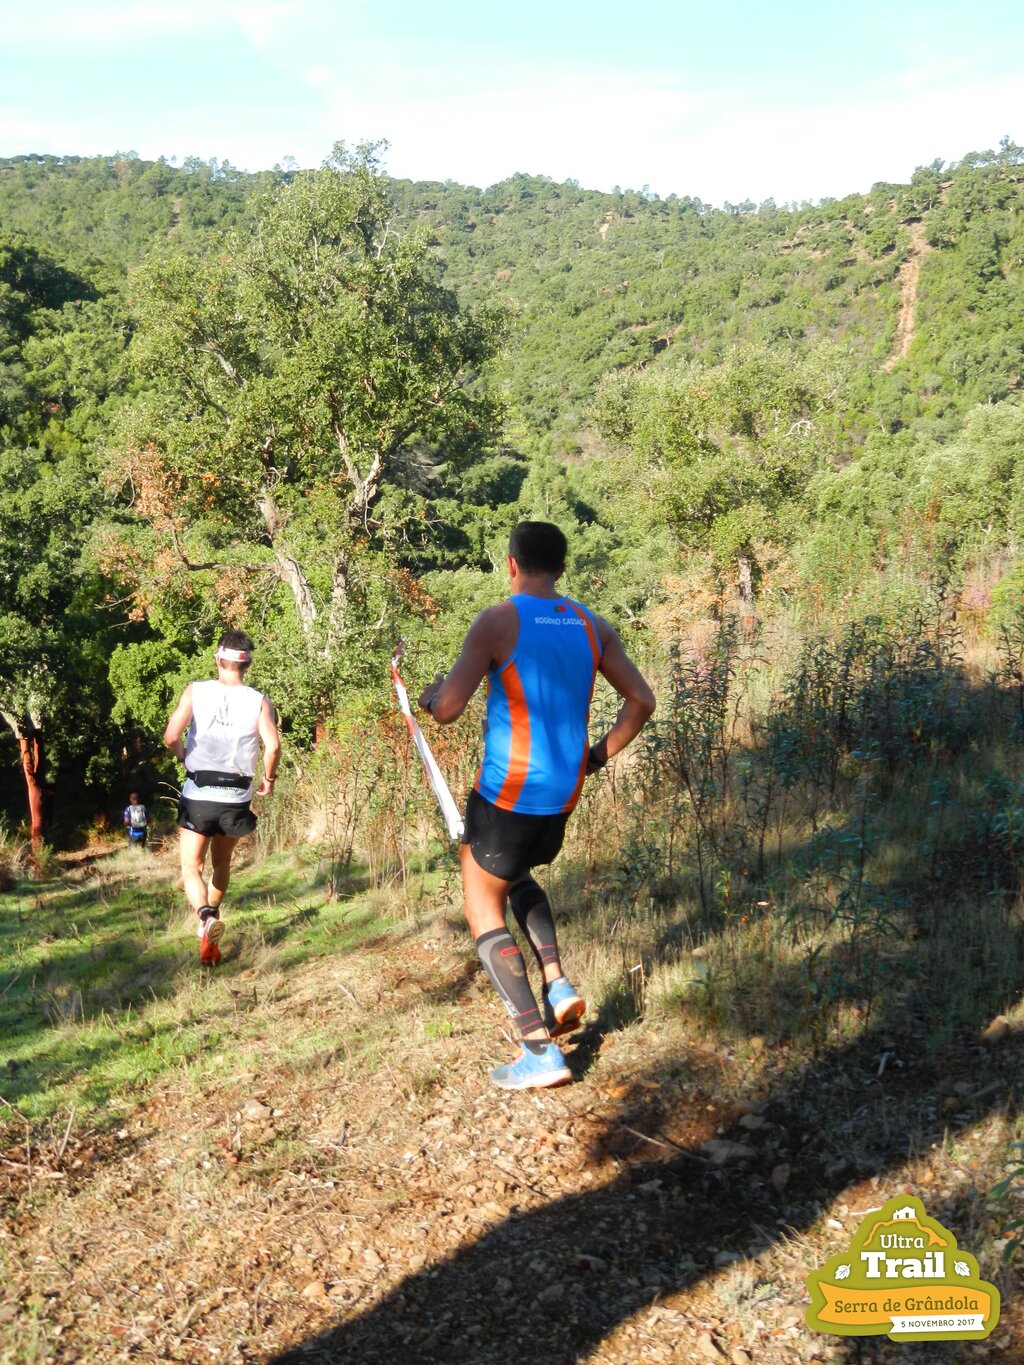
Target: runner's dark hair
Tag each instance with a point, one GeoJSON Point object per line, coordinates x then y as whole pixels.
{"type": "Point", "coordinates": [538, 547]}
{"type": "Point", "coordinates": [235, 639]}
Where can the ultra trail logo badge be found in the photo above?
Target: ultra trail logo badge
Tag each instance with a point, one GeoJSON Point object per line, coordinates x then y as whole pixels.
{"type": "Point", "coordinates": [903, 1276]}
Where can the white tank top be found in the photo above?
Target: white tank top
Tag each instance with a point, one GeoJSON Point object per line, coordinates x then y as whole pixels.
{"type": "Point", "coordinates": [223, 737]}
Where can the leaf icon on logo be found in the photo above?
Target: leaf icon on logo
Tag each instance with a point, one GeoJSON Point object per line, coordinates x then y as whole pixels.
{"type": "Point", "coordinates": [842, 1272]}
{"type": "Point", "coordinates": [961, 1267]}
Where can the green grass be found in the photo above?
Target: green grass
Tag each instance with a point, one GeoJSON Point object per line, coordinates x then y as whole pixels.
{"type": "Point", "coordinates": [101, 992]}
{"type": "Point", "coordinates": [24, 1343]}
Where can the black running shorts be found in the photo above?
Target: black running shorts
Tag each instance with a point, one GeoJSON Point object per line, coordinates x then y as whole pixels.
{"type": "Point", "coordinates": [234, 819]}
{"type": "Point", "coordinates": [506, 843]}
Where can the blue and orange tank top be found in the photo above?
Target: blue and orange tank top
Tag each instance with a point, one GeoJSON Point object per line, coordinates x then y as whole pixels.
{"type": "Point", "coordinates": [538, 709]}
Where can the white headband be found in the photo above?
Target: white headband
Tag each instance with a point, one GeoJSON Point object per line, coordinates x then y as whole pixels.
{"type": "Point", "coordinates": [233, 656]}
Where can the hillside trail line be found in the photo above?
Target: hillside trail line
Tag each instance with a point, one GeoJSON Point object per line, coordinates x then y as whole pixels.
{"type": "Point", "coordinates": [910, 273]}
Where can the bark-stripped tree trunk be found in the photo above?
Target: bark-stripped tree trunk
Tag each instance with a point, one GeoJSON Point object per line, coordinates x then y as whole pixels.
{"type": "Point", "coordinates": [30, 745]}
{"type": "Point", "coordinates": [339, 603]}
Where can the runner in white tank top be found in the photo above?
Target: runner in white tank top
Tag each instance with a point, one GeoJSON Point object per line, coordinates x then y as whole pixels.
{"type": "Point", "coordinates": [216, 730]}
{"type": "Point", "coordinates": [222, 737]}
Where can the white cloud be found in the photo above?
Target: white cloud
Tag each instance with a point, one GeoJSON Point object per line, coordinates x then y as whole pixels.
{"type": "Point", "coordinates": [123, 23]}
{"type": "Point", "coordinates": [23, 135]}
{"type": "Point", "coordinates": [104, 136]}
{"type": "Point", "coordinates": [479, 124]}
{"type": "Point", "coordinates": [810, 153]}
{"type": "Point", "coordinates": [562, 123]}
{"type": "Point", "coordinates": [476, 122]}
{"type": "Point", "coordinates": [605, 131]}
{"type": "Point", "coordinates": [268, 23]}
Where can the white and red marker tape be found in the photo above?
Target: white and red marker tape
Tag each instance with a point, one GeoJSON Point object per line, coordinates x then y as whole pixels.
{"type": "Point", "coordinates": [449, 810]}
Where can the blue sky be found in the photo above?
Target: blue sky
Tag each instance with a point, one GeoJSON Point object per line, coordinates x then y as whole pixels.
{"type": "Point", "coordinates": [746, 98]}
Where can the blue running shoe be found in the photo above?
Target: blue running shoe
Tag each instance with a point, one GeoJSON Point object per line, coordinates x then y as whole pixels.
{"type": "Point", "coordinates": [530, 1070]}
{"type": "Point", "coordinates": [563, 1008]}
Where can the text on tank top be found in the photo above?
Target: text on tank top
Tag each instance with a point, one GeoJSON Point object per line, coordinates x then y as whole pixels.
{"type": "Point", "coordinates": [538, 709]}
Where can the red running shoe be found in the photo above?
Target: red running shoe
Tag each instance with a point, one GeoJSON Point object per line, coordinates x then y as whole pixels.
{"type": "Point", "coordinates": [210, 931]}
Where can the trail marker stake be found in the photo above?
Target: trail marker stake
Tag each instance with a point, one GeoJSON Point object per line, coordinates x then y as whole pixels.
{"type": "Point", "coordinates": [449, 810]}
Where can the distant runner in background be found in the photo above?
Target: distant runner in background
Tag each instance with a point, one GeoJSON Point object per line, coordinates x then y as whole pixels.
{"type": "Point", "coordinates": [540, 653]}
{"type": "Point", "coordinates": [136, 821]}
{"type": "Point", "coordinates": [216, 730]}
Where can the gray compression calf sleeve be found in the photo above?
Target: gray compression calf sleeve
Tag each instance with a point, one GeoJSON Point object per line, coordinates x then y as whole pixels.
{"type": "Point", "coordinates": [503, 963]}
{"type": "Point", "coordinates": [532, 910]}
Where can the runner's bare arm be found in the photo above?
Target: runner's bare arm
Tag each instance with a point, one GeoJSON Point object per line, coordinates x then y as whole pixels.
{"type": "Point", "coordinates": [638, 701]}
{"type": "Point", "coordinates": [181, 718]}
{"type": "Point", "coordinates": [271, 741]}
{"type": "Point", "coordinates": [446, 698]}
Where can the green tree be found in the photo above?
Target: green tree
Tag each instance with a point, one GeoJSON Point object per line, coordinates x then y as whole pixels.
{"type": "Point", "coordinates": [53, 694]}
{"type": "Point", "coordinates": [726, 452]}
{"type": "Point", "coordinates": [291, 373]}
{"type": "Point", "coordinates": [58, 366]}
{"type": "Point", "coordinates": [33, 289]}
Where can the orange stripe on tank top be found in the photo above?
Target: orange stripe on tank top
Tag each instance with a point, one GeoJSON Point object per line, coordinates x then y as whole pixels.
{"type": "Point", "coordinates": [519, 746]}
{"type": "Point", "coordinates": [595, 648]}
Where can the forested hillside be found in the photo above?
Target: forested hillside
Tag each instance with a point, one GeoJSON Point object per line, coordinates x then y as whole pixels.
{"type": "Point", "coordinates": [604, 281]}
{"type": "Point", "coordinates": [786, 445]}
{"type": "Point", "coordinates": [313, 403]}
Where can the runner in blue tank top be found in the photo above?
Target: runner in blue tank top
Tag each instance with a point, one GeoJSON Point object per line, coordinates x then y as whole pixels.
{"type": "Point", "coordinates": [540, 653]}
{"type": "Point", "coordinates": [538, 703]}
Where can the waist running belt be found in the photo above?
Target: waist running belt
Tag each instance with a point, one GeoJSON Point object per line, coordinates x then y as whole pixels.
{"type": "Point", "coordinates": [214, 779]}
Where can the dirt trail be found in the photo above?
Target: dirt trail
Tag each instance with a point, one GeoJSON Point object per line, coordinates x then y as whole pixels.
{"type": "Point", "coordinates": [910, 273]}
{"type": "Point", "coordinates": [392, 1207]}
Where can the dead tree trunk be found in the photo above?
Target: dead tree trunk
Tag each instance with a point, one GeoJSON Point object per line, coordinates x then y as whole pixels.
{"type": "Point", "coordinates": [289, 569]}
{"type": "Point", "coordinates": [290, 572]}
{"type": "Point", "coordinates": [748, 594]}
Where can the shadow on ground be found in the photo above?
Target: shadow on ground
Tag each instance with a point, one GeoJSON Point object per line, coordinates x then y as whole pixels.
{"type": "Point", "coordinates": [559, 1279]}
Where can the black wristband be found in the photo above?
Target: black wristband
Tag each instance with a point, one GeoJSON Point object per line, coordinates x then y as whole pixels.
{"type": "Point", "coordinates": [595, 759]}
